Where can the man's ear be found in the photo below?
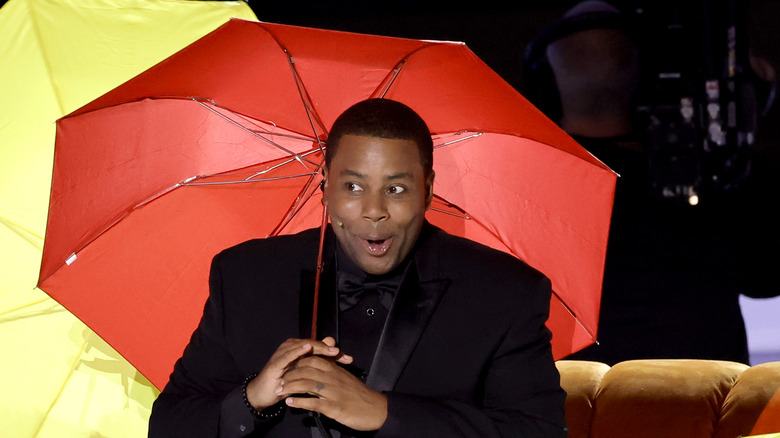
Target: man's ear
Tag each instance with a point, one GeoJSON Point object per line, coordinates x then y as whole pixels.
{"type": "Point", "coordinates": [323, 185]}
{"type": "Point", "coordinates": [429, 189]}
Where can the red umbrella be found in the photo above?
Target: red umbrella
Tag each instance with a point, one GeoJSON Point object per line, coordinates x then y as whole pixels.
{"type": "Point", "coordinates": [221, 142]}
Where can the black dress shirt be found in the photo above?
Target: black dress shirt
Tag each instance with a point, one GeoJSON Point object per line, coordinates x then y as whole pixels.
{"type": "Point", "coordinates": [364, 303]}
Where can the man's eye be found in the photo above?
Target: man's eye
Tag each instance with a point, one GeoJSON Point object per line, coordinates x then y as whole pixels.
{"type": "Point", "coordinates": [394, 190]}
{"type": "Point", "coordinates": [352, 187]}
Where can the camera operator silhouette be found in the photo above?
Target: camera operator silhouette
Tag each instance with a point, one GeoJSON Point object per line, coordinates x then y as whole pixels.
{"type": "Point", "coordinates": [674, 270]}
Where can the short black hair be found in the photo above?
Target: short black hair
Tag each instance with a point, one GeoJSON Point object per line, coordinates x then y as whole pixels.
{"type": "Point", "coordinates": [382, 118]}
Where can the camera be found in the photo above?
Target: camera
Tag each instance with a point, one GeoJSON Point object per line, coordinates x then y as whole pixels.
{"type": "Point", "coordinates": [698, 106]}
{"type": "Point", "coordinates": [698, 100]}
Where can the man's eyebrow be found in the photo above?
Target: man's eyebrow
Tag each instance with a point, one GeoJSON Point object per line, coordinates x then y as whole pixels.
{"type": "Point", "coordinates": [395, 176]}
{"type": "Point", "coordinates": [349, 172]}
{"type": "Point", "coordinates": [401, 175]}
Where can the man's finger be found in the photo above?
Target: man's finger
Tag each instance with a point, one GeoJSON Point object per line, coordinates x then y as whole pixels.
{"type": "Point", "coordinates": [310, 387]}
{"type": "Point", "coordinates": [293, 349]}
{"type": "Point", "coordinates": [318, 363]}
{"type": "Point", "coordinates": [329, 349]}
{"type": "Point", "coordinates": [311, 370]}
{"type": "Point", "coordinates": [286, 355]}
{"type": "Point", "coordinates": [308, 403]}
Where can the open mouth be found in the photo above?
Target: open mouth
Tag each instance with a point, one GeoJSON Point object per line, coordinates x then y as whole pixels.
{"type": "Point", "coordinates": [377, 247]}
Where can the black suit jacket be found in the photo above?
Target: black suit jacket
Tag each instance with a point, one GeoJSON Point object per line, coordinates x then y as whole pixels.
{"type": "Point", "coordinates": [464, 352]}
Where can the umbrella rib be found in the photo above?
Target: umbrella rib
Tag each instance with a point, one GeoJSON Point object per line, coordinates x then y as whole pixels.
{"type": "Point", "coordinates": [306, 100]}
{"type": "Point", "coordinates": [5, 314]}
{"type": "Point", "coordinates": [389, 80]}
{"type": "Point", "coordinates": [272, 168]}
{"type": "Point", "coordinates": [115, 221]}
{"type": "Point", "coordinates": [312, 115]}
{"type": "Point", "coordinates": [272, 143]}
{"type": "Point", "coordinates": [262, 172]}
{"type": "Point", "coordinates": [576, 318]}
{"type": "Point", "coordinates": [61, 390]}
{"type": "Point", "coordinates": [244, 181]}
{"type": "Point", "coordinates": [24, 233]}
{"type": "Point", "coordinates": [318, 165]}
{"type": "Point", "coordinates": [270, 122]}
{"type": "Point", "coordinates": [253, 177]}
{"type": "Point", "coordinates": [474, 135]}
{"type": "Point", "coordinates": [299, 202]}
{"type": "Point", "coordinates": [466, 216]}
{"type": "Point", "coordinates": [188, 182]}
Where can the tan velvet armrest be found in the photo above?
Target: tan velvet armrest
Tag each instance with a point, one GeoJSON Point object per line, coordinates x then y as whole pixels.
{"type": "Point", "coordinates": [580, 380]}
{"type": "Point", "coordinates": [669, 398]}
{"type": "Point", "coordinates": [747, 400]}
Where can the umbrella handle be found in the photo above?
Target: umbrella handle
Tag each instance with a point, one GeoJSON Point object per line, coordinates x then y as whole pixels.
{"type": "Point", "coordinates": [318, 273]}
{"type": "Point", "coordinates": [320, 426]}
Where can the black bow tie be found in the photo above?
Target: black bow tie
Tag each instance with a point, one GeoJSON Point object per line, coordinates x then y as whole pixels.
{"type": "Point", "coordinates": [352, 288]}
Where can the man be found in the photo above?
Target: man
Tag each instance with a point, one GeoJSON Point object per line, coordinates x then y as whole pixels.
{"type": "Point", "coordinates": [442, 337]}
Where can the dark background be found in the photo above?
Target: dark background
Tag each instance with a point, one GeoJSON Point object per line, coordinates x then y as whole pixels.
{"type": "Point", "coordinates": [499, 32]}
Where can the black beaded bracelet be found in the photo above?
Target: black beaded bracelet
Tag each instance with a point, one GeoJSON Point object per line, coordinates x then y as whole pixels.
{"type": "Point", "coordinates": [277, 410]}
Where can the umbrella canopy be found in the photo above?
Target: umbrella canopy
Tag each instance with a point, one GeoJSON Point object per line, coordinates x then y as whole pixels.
{"type": "Point", "coordinates": [135, 214]}
{"type": "Point", "coordinates": [58, 377]}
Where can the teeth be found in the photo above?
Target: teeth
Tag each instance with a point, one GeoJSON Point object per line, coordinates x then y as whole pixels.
{"type": "Point", "coordinates": [377, 247]}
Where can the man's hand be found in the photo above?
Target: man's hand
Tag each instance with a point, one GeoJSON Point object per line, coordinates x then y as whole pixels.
{"type": "Point", "coordinates": [262, 390]}
{"type": "Point", "coordinates": [337, 393]}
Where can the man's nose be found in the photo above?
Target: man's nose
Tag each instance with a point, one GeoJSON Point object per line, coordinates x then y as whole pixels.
{"type": "Point", "coordinates": [375, 207]}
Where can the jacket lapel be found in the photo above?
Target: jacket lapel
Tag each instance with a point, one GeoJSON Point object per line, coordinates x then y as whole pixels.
{"type": "Point", "coordinates": [413, 307]}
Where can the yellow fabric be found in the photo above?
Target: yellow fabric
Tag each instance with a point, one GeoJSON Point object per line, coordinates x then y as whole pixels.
{"type": "Point", "coordinates": [57, 377]}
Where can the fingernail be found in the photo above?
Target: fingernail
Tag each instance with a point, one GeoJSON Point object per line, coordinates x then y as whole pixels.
{"type": "Point", "coordinates": [278, 389]}
{"type": "Point", "coordinates": [289, 401]}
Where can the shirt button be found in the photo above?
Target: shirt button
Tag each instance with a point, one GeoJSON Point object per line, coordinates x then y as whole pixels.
{"type": "Point", "coordinates": [242, 428]}
{"type": "Point", "coordinates": [370, 311]}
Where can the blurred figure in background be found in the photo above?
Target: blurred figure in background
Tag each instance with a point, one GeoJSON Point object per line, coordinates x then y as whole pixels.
{"type": "Point", "coordinates": [674, 270]}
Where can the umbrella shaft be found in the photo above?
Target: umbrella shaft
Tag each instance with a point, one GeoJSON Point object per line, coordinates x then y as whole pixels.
{"type": "Point", "coordinates": [318, 274]}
